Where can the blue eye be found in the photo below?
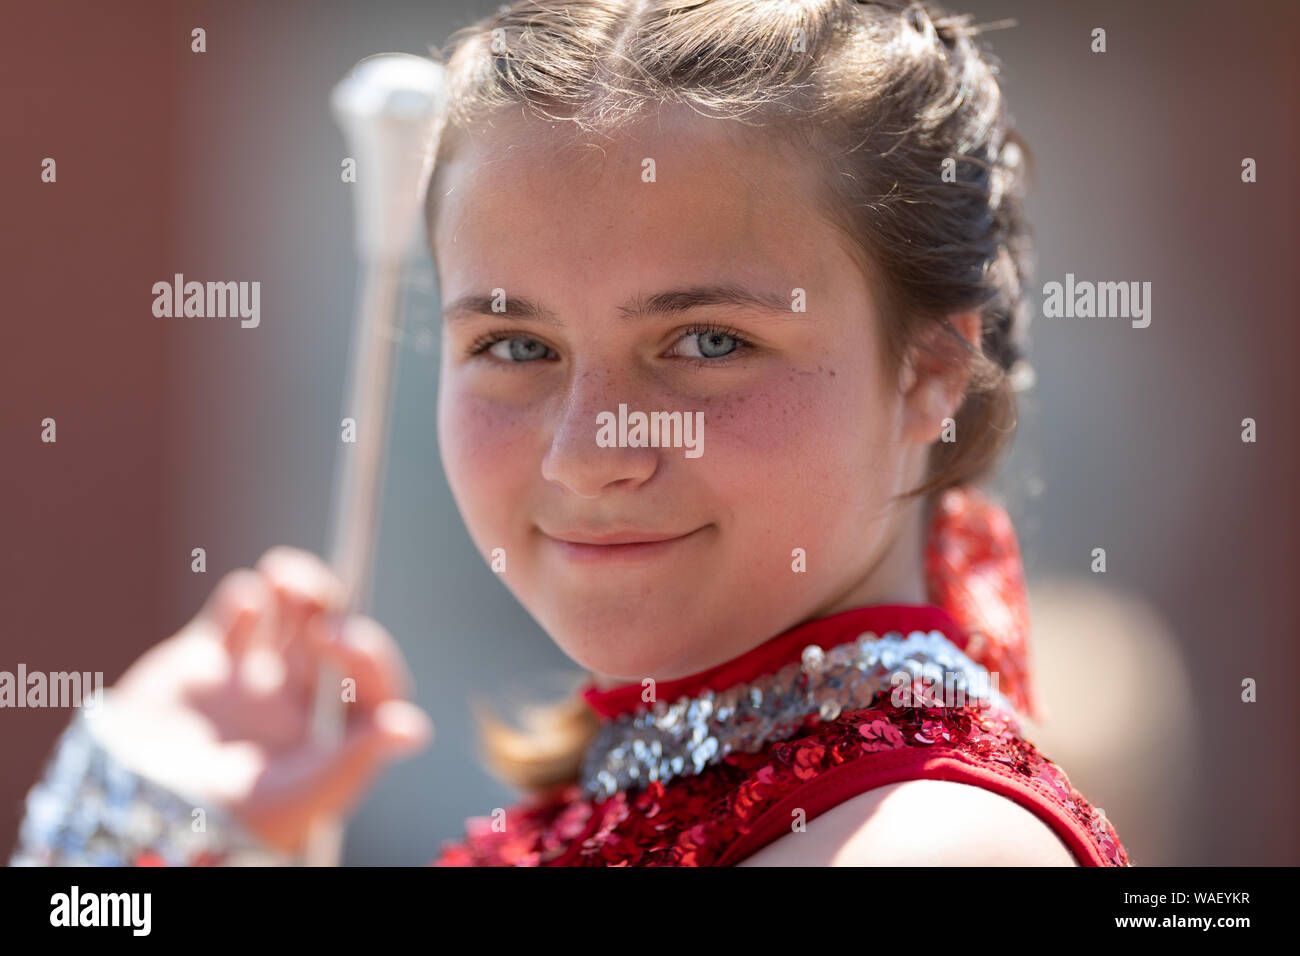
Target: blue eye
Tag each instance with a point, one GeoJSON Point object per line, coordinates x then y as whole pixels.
{"type": "Point", "coordinates": [703, 345]}
{"type": "Point", "coordinates": [710, 342]}
{"type": "Point", "coordinates": [510, 349]}
{"type": "Point", "coordinates": [713, 344]}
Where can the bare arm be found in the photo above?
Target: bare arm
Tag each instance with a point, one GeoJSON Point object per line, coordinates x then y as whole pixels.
{"type": "Point", "coordinates": [921, 823]}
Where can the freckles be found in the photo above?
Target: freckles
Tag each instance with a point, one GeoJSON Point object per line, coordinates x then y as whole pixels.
{"type": "Point", "coordinates": [771, 418]}
{"type": "Point", "coordinates": [485, 433]}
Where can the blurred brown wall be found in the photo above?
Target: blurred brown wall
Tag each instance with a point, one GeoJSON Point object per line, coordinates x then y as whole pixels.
{"type": "Point", "coordinates": [88, 85]}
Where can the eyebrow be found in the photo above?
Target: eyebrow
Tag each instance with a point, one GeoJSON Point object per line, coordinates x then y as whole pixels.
{"type": "Point", "coordinates": [671, 302]}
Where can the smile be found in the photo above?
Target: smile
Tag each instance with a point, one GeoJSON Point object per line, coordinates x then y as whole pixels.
{"type": "Point", "coordinates": [587, 551]}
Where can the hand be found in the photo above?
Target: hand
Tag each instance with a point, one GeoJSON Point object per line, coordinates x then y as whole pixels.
{"type": "Point", "coordinates": [222, 709]}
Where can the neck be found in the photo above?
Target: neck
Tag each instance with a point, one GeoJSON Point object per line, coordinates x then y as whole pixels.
{"type": "Point", "coordinates": [898, 574]}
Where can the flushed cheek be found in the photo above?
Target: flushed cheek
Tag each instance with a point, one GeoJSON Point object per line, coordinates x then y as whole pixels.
{"type": "Point", "coordinates": [786, 431]}
{"type": "Point", "coordinates": [488, 451]}
{"type": "Point", "coordinates": [753, 442]}
{"type": "Point", "coordinates": [797, 455]}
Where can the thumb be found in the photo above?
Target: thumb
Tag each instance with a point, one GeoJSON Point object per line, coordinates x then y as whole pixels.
{"type": "Point", "coordinates": [322, 781]}
{"type": "Point", "coordinates": [395, 729]}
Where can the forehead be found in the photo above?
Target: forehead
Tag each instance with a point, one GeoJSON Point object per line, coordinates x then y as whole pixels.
{"type": "Point", "coordinates": [525, 199]}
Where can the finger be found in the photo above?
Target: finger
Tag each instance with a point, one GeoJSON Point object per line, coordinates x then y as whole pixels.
{"type": "Point", "coordinates": [303, 585]}
{"type": "Point", "coordinates": [362, 649]}
{"type": "Point", "coordinates": [238, 606]}
{"type": "Point", "coordinates": [316, 782]}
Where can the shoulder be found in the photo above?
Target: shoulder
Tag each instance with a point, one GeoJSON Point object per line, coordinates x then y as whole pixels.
{"type": "Point", "coordinates": [921, 823]}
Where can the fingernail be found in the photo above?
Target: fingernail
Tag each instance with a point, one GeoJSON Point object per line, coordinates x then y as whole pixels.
{"type": "Point", "coordinates": [406, 728]}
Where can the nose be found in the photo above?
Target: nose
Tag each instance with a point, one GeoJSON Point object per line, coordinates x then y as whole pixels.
{"type": "Point", "coordinates": [575, 461]}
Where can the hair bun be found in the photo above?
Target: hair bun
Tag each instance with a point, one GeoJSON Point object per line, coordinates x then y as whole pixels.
{"type": "Point", "coordinates": [948, 30]}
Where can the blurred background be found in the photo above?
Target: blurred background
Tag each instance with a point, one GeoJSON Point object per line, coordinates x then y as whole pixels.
{"type": "Point", "coordinates": [176, 434]}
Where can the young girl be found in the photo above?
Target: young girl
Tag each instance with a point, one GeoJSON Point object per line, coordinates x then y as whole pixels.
{"type": "Point", "coordinates": [798, 227]}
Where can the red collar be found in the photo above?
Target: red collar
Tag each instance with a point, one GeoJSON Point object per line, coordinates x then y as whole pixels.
{"type": "Point", "coordinates": [775, 653]}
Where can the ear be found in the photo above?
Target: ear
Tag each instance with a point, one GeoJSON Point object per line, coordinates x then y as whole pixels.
{"type": "Point", "coordinates": [935, 375]}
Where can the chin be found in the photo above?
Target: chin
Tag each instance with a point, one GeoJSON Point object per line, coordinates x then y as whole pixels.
{"type": "Point", "coordinates": [601, 638]}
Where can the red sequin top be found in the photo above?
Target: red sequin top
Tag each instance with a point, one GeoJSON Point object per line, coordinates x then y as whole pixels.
{"type": "Point", "coordinates": [741, 801]}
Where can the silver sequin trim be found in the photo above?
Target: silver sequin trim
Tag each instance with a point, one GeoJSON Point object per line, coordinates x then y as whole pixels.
{"type": "Point", "coordinates": [91, 810]}
{"type": "Point", "coordinates": [665, 741]}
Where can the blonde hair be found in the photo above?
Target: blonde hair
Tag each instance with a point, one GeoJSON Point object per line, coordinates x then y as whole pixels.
{"type": "Point", "coordinates": [905, 118]}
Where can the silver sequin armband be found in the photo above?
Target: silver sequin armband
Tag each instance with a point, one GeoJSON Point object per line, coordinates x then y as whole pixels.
{"type": "Point", "coordinates": [89, 809]}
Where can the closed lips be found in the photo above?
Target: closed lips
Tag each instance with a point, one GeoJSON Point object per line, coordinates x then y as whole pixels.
{"type": "Point", "coordinates": [621, 537]}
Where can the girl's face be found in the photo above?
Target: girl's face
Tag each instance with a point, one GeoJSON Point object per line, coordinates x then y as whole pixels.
{"type": "Point", "coordinates": [677, 295]}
